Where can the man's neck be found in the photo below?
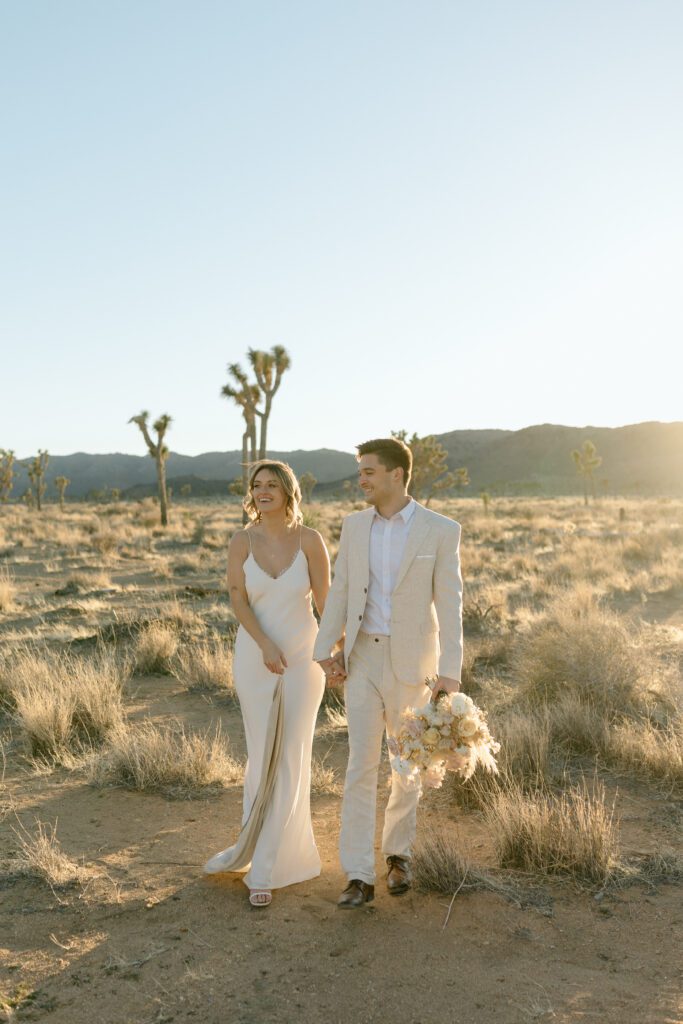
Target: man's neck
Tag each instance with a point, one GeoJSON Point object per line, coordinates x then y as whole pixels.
{"type": "Point", "coordinates": [394, 505]}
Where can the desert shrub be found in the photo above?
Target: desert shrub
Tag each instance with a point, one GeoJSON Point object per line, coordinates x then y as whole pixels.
{"type": "Point", "coordinates": [324, 780]}
{"type": "Point", "coordinates": [94, 580]}
{"type": "Point", "coordinates": [525, 745]}
{"type": "Point", "coordinates": [648, 750]}
{"type": "Point", "coordinates": [651, 545]}
{"type": "Point", "coordinates": [65, 703]}
{"type": "Point", "coordinates": [439, 865]}
{"type": "Point", "coordinates": [205, 666]}
{"type": "Point", "coordinates": [7, 591]}
{"type": "Point", "coordinates": [104, 542]}
{"type": "Point", "coordinates": [573, 833]}
{"type": "Point", "coordinates": [40, 856]}
{"type": "Point", "coordinates": [175, 614]}
{"type": "Point", "coordinates": [333, 697]}
{"type": "Point", "coordinates": [155, 647]}
{"type": "Point", "coordinates": [581, 648]}
{"type": "Point", "coordinates": [165, 759]}
{"type": "Point", "coordinates": [577, 726]}
{"type": "Point", "coordinates": [334, 722]}
{"type": "Point", "coordinates": [186, 566]}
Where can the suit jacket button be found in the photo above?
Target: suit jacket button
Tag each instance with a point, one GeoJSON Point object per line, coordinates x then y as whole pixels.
{"type": "Point", "coordinates": [365, 590]}
{"type": "Point", "coordinates": [360, 618]}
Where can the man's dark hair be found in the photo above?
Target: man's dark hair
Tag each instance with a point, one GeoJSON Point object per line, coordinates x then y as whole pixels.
{"type": "Point", "coordinates": [391, 452]}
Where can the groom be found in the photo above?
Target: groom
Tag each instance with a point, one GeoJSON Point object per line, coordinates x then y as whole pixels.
{"type": "Point", "coordinates": [396, 600]}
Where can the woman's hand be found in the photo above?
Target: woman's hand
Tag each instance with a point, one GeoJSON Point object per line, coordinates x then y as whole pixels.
{"type": "Point", "coordinates": [273, 658]}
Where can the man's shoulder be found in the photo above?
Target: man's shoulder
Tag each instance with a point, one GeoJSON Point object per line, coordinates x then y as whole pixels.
{"type": "Point", "coordinates": [358, 516]}
{"type": "Point", "coordinates": [437, 520]}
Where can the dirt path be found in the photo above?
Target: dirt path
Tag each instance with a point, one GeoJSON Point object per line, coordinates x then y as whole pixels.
{"type": "Point", "coordinates": [156, 941]}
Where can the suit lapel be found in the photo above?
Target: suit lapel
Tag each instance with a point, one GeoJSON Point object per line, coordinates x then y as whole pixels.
{"type": "Point", "coordinates": [362, 547]}
{"type": "Point", "coordinates": [418, 531]}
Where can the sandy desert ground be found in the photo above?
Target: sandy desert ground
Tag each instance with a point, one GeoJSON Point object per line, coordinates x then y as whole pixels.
{"type": "Point", "coordinates": [115, 673]}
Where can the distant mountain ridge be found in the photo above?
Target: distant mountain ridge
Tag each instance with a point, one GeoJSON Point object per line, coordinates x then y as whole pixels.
{"type": "Point", "coordinates": [642, 458]}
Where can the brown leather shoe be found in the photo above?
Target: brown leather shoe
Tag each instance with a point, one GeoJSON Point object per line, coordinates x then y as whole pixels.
{"type": "Point", "coordinates": [399, 877]}
{"type": "Point", "coordinates": [356, 894]}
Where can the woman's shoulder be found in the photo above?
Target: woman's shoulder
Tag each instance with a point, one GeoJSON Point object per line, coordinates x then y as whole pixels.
{"type": "Point", "coordinates": [240, 539]}
{"type": "Point", "coordinates": [311, 540]}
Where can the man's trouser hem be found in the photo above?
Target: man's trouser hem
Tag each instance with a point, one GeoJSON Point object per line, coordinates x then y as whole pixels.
{"type": "Point", "coordinates": [361, 875]}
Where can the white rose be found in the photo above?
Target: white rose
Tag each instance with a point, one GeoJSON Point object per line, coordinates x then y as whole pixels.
{"type": "Point", "coordinates": [467, 727]}
{"type": "Point", "coordinates": [461, 704]}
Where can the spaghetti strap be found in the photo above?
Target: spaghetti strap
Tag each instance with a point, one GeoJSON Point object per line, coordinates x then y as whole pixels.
{"type": "Point", "coordinates": [248, 533]}
{"type": "Point", "coordinates": [301, 533]}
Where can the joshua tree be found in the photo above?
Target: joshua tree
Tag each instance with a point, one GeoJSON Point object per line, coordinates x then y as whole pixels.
{"type": "Point", "coordinates": [61, 483]}
{"type": "Point", "coordinates": [269, 368]}
{"type": "Point", "coordinates": [246, 397]}
{"type": "Point", "coordinates": [586, 459]}
{"type": "Point", "coordinates": [307, 482]}
{"type": "Point", "coordinates": [186, 490]}
{"type": "Point", "coordinates": [36, 474]}
{"type": "Point", "coordinates": [430, 466]}
{"type": "Point", "coordinates": [159, 453]}
{"type": "Point", "coordinates": [486, 501]}
{"type": "Point", "coordinates": [6, 474]}
{"type": "Point", "coordinates": [115, 493]}
{"type": "Point", "coordinates": [461, 479]}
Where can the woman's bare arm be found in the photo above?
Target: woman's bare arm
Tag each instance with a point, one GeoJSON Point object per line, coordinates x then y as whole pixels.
{"type": "Point", "coordinates": [318, 566]}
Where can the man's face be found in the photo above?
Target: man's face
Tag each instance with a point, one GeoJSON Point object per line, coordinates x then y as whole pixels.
{"type": "Point", "coordinates": [378, 483]}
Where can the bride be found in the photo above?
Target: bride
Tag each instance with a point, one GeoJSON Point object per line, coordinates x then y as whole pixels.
{"type": "Point", "coordinates": [274, 565]}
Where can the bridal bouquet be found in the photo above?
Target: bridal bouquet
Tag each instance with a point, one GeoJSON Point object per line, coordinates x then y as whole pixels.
{"type": "Point", "coordinates": [450, 734]}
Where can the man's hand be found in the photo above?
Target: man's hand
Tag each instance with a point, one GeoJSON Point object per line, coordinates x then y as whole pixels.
{"type": "Point", "coordinates": [334, 669]}
{"type": "Point", "coordinates": [443, 683]}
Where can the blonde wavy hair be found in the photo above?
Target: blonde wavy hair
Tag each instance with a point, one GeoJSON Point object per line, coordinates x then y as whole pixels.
{"type": "Point", "coordinates": [288, 482]}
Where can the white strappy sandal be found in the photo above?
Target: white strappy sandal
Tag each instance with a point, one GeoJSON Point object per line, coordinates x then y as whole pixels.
{"type": "Point", "coordinates": [260, 897]}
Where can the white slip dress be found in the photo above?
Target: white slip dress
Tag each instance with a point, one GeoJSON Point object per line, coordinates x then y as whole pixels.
{"type": "Point", "coordinates": [285, 850]}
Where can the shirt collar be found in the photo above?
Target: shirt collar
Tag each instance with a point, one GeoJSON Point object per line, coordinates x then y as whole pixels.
{"type": "Point", "coordinates": [406, 513]}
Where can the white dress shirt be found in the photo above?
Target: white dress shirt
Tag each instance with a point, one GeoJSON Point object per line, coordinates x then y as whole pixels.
{"type": "Point", "coordinates": [387, 543]}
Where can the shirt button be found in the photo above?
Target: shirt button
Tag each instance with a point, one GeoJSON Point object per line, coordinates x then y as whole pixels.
{"type": "Point", "coordinates": [365, 590]}
{"type": "Point", "coordinates": [360, 618]}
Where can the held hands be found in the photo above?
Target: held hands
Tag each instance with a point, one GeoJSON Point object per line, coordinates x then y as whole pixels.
{"type": "Point", "coordinates": [444, 685]}
{"type": "Point", "coordinates": [273, 658]}
{"type": "Point", "coordinates": [334, 669]}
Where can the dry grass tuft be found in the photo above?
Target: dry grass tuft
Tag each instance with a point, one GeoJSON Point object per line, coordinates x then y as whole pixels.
{"type": "Point", "coordinates": [335, 722]}
{"type": "Point", "coordinates": [578, 727]}
{"type": "Point", "coordinates": [525, 746]}
{"type": "Point", "coordinates": [581, 648]}
{"type": "Point", "coordinates": [649, 750]}
{"type": "Point", "coordinates": [324, 780]}
{"type": "Point", "coordinates": [8, 591]}
{"type": "Point", "coordinates": [165, 759]}
{"type": "Point", "coordinates": [65, 703]}
{"type": "Point", "coordinates": [41, 856]}
{"type": "Point", "coordinates": [439, 866]}
{"type": "Point", "coordinates": [573, 833]}
{"type": "Point", "coordinates": [93, 580]}
{"type": "Point", "coordinates": [205, 666]}
{"type": "Point", "coordinates": [664, 866]}
{"type": "Point", "coordinates": [155, 648]}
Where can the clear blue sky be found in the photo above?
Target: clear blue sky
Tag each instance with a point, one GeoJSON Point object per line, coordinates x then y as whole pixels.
{"type": "Point", "coordinates": [452, 214]}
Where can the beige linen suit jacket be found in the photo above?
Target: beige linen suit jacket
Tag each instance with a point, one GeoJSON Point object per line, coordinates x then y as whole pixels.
{"type": "Point", "coordinates": [426, 603]}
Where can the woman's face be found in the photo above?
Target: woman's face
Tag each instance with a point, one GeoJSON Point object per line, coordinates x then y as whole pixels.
{"type": "Point", "coordinates": [268, 492]}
